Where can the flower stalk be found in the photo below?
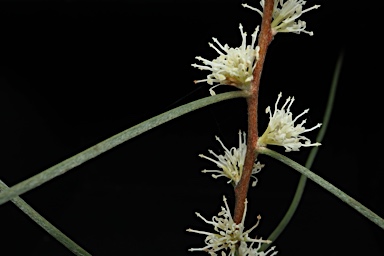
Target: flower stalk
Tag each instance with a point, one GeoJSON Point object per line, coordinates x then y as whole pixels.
{"type": "Point", "coordinates": [265, 38]}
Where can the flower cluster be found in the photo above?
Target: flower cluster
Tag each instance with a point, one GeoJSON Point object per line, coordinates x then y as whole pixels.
{"type": "Point", "coordinates": [284, 18]}
{"type": "Point", "coordinates": [234, 66]}
{"type": "Point", "coordinates": [232, 162]}
{"type": "Point", "coordinates": [229, 234]}
{"type": "Point", "coordinates": [282, 131]}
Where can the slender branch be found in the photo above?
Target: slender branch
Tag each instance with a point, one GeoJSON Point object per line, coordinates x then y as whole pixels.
{"type": "Point", "coordinates": [111, 142]}
{"type": "Point", "coordinates": [325, 184]}
{"type": "Point", "coordinates": [265, 39]}
{"type": "Point", "coordinates": [303, 179]}
{"type": "Point", "coordinates": [42, 222]}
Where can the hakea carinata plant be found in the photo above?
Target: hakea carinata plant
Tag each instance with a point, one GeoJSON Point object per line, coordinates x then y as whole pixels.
{"type": "Point", "coordinates": [234, 66]}
{"type": "Point", "coordinates": [231, 164]}
{"type": "Point", "coordinates": [282, 130]}
{"type": "Point", "coordinates": [230, 236]}
{"type": "Point", "coordinates": [285, 17]}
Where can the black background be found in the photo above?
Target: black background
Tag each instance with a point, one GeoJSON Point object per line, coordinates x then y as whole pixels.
{"type": "Point", "coordinates": [76, 72]}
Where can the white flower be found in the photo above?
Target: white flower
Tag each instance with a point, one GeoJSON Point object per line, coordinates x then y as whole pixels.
{"type": "Point", "coordinates": [282, 131]}
{"type": "Point", "coordinates": [234, 66]}
{"type": "Point", "coordinates": [284, 18]}
{"type": "Point", "coordinates": [232, 162]}
{"type": "Point", "coordinates": [228, 232]}
{"type": "Point", "coordinates": [250, 251]}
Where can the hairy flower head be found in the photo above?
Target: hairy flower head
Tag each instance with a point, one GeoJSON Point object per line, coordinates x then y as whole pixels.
{"type": "Point", "coordinates": [228, 233]}
{"type": "Point", "coordinates": [232, 162]}
{"type": "Point", "coordinates": [285, 16]}
{"type": "Point", "coordinates": [234, 66]}
{"type": "Point", "coordinates": [282, 130]}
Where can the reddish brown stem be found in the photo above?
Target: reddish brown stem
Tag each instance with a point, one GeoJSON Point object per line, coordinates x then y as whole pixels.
{"type": "Point", "coordinates": [265, 39]}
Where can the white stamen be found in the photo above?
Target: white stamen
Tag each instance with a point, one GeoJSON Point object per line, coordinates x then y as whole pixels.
{"type": "Point", "coordinates": [282, 131]}
{"type": "Point", "coordinates": [232, 162]}
{"type": "Point", "coordinates": [285, 16]}
{"type": "Point", "coordinates": [234, 66]}
{"type": "Point", "coordinates": [229, 234]}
